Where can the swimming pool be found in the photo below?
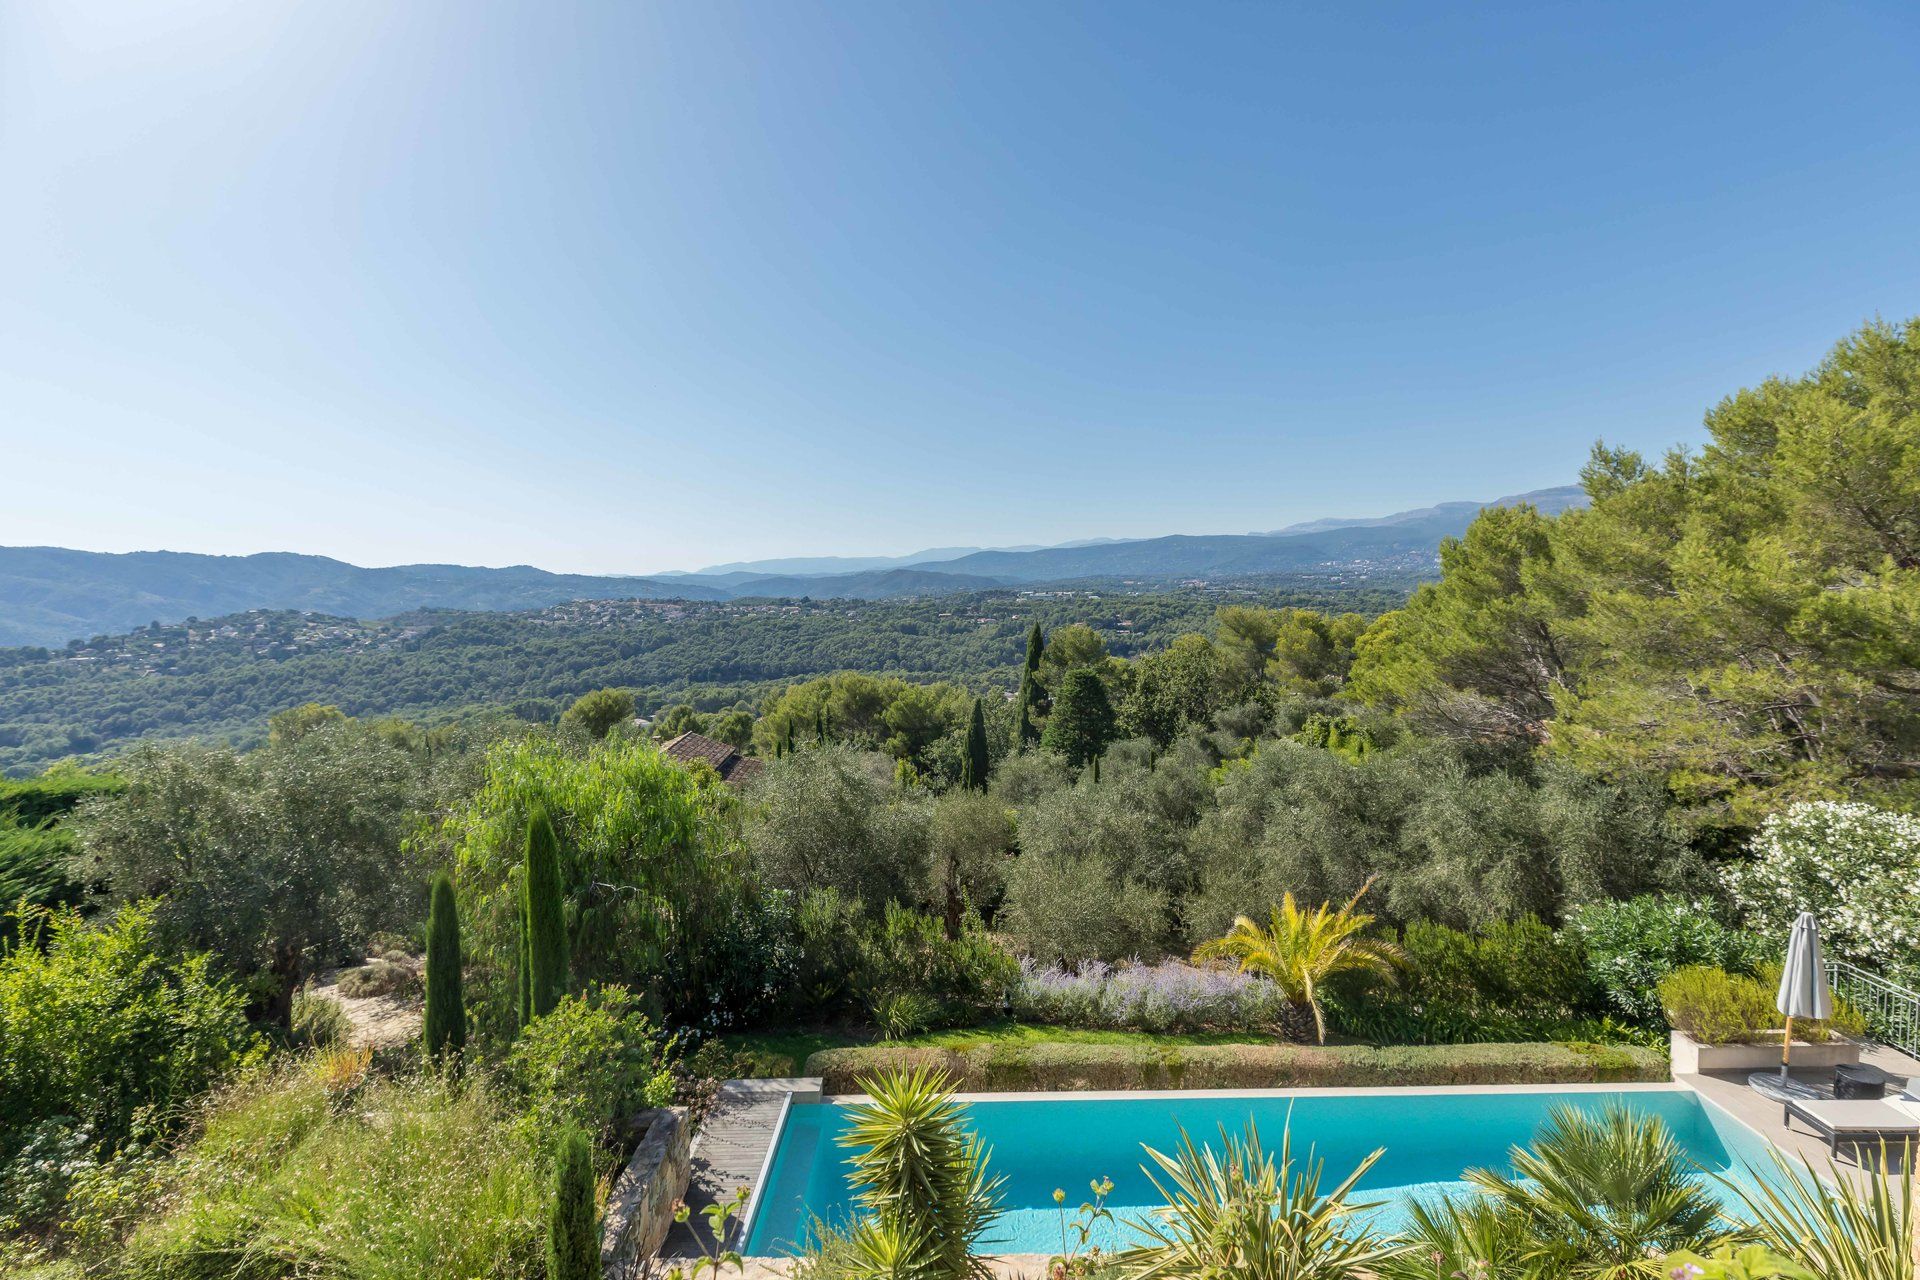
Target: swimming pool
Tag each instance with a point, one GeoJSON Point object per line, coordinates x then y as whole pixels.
{"type": "Point", "coordinates": [1043, 1141]}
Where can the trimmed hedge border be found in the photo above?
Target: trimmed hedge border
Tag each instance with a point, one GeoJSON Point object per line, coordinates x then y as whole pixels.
{"type": "Point", "coordinates": [1067, 1067]}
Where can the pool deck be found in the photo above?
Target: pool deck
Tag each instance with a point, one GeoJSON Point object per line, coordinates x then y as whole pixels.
{"type": "Point", "coordinates": [734, 1147]}
{"type": "Point", "coordinates": [1730, 1091]}
{"type": "Point", "coordinates": [731, 1150]}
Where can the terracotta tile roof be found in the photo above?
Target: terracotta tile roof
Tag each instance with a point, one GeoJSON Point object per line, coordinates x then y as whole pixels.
{"type": "Point", "coordinates": [728, 763]}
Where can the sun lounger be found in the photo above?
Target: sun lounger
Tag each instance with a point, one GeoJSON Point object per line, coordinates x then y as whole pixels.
{"type": "Point", "coordinates": [1857, 1121]}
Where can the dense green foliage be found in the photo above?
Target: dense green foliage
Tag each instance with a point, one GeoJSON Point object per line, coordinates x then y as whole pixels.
{"type": "Point", "coordinates": [278, 860]}
{"type": "Point", "coordinates": [591, 1063]}
{"type": "Point", "coordinates": [1741, 622]}
{"type": "Point", "coordinates": [224, 677]}
{"type": "Point", "coordinates": [103, 1036]}
{"type": "Point", "coordinates": [624, 816]}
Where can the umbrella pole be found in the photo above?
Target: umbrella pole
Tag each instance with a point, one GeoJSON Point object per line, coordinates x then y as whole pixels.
{"type": "Point", "coordinates": [1786, 1047]}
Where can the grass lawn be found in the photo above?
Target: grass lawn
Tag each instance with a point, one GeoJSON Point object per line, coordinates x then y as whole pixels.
{"type": "Point", "coordinates": [783, 1053]}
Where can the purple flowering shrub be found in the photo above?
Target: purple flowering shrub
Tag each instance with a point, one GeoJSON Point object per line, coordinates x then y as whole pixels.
{"type": "Point", "coordinates": [1170, 996]}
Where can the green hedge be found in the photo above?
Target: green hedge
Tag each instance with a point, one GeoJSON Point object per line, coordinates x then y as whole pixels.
{"type": "Point", "coordinates": [1002, 1068]}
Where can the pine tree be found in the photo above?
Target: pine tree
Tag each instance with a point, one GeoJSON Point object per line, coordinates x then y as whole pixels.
{"type": "Point", "coordinates": [573, 1236]}
{"type": "Point", "coordinates": [974, 766]}
{"type": "Point", "coordinates": [545, 929]}
{"type": "Point", "coordinates": [1028, 732]}
{"type": "Point", "coordinates": [446, 1020]}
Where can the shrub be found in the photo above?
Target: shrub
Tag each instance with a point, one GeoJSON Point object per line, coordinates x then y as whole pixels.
{"type": "Point", "coordinates": [1632, 945]}
{"type": "Point", "coordinates": [1072, 1066]}
{"type": "Point", "coordinates": [594, 1062]}
{"type": "Point", "coordinates": [1853, 865]}
{"type": "Point", "coordinates": [378, 978]}
{"type": "Point", "coordinates": [1170, 996]}
{"type": "Point", "coordinates": [310, 1169]}
{"type": "Point", "coordinates": [949, 980]}
{"type": "Point", "coordinates": [1717, 1007]}
{"type": "Point", "coordinates": [319, 1022]}
{"type": "Point", "coordinates": [98, 1022]}
{"type": "Point", "coordinates": [1503, 982]}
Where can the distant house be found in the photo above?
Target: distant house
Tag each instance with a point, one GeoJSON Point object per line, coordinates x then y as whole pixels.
{"type": "Point", "coordinates": [728, 763]}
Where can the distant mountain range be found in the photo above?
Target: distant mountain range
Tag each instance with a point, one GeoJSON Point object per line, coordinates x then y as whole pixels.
{"type": "Point", "coordinates": [50, 595]}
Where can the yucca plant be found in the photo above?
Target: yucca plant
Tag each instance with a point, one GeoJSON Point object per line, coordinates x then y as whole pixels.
{"type": "Point", "coordinates": [1299, 950]}
{"type": "Point", "coordinates": [1242, 1213]}
{"type": "Point", "coordinates": [1851, 1225]}
{"type": "Point", "coordinates": [1605, 1195]}
{"type": "Point", "coordinates": [920, 1179]}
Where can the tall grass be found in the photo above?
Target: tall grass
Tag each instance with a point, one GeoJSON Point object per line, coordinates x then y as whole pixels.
{"type": "Point", "coordinates": [318, 1168]}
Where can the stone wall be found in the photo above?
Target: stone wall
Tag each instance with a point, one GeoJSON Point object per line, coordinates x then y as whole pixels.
{"type": "Point", "coordinates": [640, 1208]}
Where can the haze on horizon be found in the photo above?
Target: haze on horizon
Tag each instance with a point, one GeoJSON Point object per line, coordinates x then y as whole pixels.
{"type": "Point", "coordinates": [617, 289]}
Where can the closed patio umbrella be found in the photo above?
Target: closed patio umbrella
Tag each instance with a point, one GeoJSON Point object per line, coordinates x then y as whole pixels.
{"type": "Point", "coordinates": [1803, 982]}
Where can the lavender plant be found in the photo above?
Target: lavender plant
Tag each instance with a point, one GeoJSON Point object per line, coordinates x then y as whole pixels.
{"type": "Point", "coordinates": [1170, 996]}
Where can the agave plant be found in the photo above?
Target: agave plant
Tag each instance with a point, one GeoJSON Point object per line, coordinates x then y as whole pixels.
{"type": "Point", "coordinates": [1605, 1196]}
{"type": "Point", "coordinates": [1300, 950]}
{"type": "Point", "coordinates": [1851, 1225]}
{"type": "Point", "coordinates": [1239, 1212]}
{"type": "Point", "coordinates": [920, 1179]}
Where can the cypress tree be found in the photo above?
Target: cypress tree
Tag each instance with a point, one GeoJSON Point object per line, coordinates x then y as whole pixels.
{"type": "Point", "coordinates": [789, 737]}
{"type": "Point", "coordinates": [1036, 645]}
{"type": "Point", "coordinates": [974, 766]}
{"type": "Point", "coordinates": [820, 725]}
{"type": "Point", "coordinates": [546, 929]}
{"type": "Point", "coordinates": [446, 1021]}
{"type": "Point", "coordinates": [1096, 770]}
{"type": "Point", "coordinates": [573, 1237]}
{"type": "Point", "coordinates": [1028, 732]}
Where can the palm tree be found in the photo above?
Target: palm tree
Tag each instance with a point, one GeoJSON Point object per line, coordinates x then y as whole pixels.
{"type": "Point", "coordinates": [1606, 1195]}
{"type": "Point", "coordinates": [1300, 950]}
{"type": "Point", "coordinates": [1242, 1213]}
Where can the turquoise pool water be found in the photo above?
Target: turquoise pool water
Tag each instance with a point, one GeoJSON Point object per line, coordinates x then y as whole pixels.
{"type": "Point", "coordinates": [1043, 1141]}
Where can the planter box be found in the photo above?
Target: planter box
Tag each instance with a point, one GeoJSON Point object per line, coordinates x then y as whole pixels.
{"type": "Point", "coordinates": [1690, 1057]}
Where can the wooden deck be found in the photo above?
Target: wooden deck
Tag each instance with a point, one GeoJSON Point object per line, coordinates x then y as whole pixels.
{"type": "Point", "coordinates": [731, 1149]}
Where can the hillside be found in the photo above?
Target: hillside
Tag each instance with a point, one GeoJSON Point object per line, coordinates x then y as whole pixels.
{"type": "Point", "coordinates": [223, 677]}
{"type": "Point", "coordinates": [51, 596]}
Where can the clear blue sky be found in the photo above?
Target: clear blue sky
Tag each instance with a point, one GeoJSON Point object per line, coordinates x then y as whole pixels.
{"type": "Point", "coordinates": [624, 287]}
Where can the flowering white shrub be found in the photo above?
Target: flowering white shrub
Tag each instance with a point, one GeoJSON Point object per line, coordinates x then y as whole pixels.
{"type": "Point", "coordinates": [1854, 866]}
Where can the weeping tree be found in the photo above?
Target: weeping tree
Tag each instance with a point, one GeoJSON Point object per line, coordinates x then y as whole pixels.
{"type": "Point", "coordinates": [544, 928]}
{"type": "Point", "coordinates": [974, 766]}
{"type": "Point", "coordinates": [651, 884]}
{"type": "Point", "coordinates": [446, 1019]}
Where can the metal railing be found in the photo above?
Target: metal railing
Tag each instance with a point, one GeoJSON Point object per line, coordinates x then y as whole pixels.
{"type": "Point", "coordinates": [1893, 1011]}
